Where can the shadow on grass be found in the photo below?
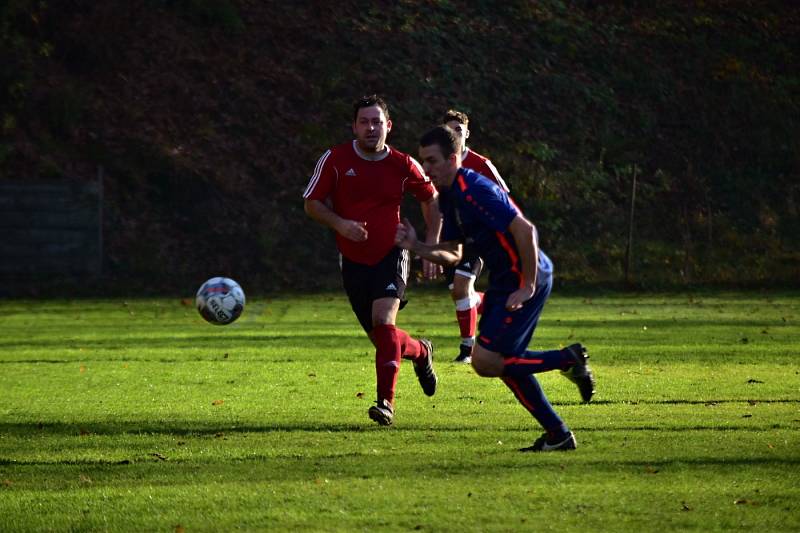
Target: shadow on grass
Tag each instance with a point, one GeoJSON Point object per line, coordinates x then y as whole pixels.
{"type": "Point", "coordinates": [685, 402]}
{"type": "Point", "coordinates": [209, 342]}
{"type": "Point", "coordinates": [310, 468]}
{"type": "Point", "coordinates": [200, 429]}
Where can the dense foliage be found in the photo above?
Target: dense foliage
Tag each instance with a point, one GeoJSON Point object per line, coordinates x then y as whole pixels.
{"type": "Point", "coordinates": [208, 117]}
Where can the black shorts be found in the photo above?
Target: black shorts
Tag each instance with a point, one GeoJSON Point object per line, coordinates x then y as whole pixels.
{"type": "Point", "coordinates": [364, 283]}
{"type": "Point", "coordinates": [470, 266]}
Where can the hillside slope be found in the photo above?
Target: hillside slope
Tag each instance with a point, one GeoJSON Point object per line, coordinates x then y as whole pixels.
{"type": "Point", "coordinates": [208, 117]}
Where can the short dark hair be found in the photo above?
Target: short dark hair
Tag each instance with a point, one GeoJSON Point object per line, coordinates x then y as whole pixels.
{"type": "Point", "coordinates": [369, 101]}
{"type": "Point", "coordinates": [443, 136]}
{"type": "Point", "coordinates": [459, 116]}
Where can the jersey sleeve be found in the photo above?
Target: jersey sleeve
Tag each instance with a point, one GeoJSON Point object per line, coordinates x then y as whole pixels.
{"type": "Point", "coordinates": [323, 180]}
{"type": "Point", "coordinates": [492, 172]}
{"type": "Point", "coordinates": [492, 205]}
{"type": "Point", "coordinates": [418, 183]}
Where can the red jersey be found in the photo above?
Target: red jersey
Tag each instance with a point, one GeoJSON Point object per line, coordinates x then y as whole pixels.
{"type": "Point", "coordinates": [367, 191]}
{"type": "Point", "coordinates": [482, 165]}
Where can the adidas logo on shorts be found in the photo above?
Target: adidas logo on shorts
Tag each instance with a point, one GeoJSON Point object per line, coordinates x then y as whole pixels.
{"type": "Point", "coordinates": [391, 287]}
{"type": "Point", "coordinates": [350, 172]}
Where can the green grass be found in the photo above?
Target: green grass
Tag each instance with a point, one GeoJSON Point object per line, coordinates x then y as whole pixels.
{"type": "Point", "coordinates": [138, 416]}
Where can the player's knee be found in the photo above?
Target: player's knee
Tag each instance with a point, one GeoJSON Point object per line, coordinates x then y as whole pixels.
{"type": "Point", "coordinates": [487, 364]}
{"type": "Point", "coordinates": [460, 288]}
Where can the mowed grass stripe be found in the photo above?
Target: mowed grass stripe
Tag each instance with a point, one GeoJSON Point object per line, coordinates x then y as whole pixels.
{"type": "Point", "coordinates": [136, 415]}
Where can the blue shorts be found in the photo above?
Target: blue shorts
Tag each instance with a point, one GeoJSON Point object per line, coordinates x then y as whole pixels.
{"type": "Point", "coordinates": [510, 332]}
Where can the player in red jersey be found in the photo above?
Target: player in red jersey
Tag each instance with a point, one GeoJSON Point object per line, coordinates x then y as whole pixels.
{"type": "Point", "coordinates": [356, 190]}
{"type": "Point", "coordinates": [462, 276]}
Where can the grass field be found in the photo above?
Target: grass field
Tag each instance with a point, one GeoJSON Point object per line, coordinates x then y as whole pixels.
{"type": "Point", "coordinates": [138, 416]}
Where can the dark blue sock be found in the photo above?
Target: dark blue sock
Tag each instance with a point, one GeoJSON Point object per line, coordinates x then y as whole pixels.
{"type": "Point", "coordinates": [530, 394]}
{"type": "Point", "coordinates": [532, 362]}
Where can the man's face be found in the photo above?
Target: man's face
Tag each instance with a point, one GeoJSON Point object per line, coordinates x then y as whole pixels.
{"type": "Point", "coordinates": [371, 129]}
{"type": "Point", "coordinates": [441, 170]}
{"type": "Point", "coordinates": [462, 133]}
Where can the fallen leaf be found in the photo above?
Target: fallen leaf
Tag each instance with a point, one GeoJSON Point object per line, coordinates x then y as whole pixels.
{"type": "Point", "coordinates": [158, 456]}
{"type": "Point", "coordinates": [179, 529]}
{"type": "Point", "coordinates": [747, 416]}
{"type": "Point", "coordinates": [217, 402]}
{"type": "Point", "coordinates": [744, 340]}
{"type": "Point", "coordinates": [85, 479]}
{"type": "Point", "coordinates": [359, 395]}
{"type": "Point", "coordinates": [651, 470]}
{"type": "Point", "coordinates": [84, 432]}
{"type": "Point", "coordinates": [754, 381]}
{"type": "Point", "coordinates": [186, 302]}
{"type": "Point", "coordinates": [83, 369]}
{"type": "Point", "coordinates": [7, 482]}
{"type": "Point", "coordinates": [685, 507]}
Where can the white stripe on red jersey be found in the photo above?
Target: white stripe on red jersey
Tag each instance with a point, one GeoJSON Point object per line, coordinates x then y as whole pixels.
{"type": "Point", "coordinates": [317, 171]}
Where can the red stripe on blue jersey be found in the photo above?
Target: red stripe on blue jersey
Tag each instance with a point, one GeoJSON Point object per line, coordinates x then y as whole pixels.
{"type": "Point", "coordinates": [513, 257]}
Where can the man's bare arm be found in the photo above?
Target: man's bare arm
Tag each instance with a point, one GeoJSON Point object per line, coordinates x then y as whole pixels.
{"type": "Point", "coordinates": [446, 253]}
{"type": "Point", "coordinates": [524, 235]}
{"type": "Point", "coordinates": [350, 229]}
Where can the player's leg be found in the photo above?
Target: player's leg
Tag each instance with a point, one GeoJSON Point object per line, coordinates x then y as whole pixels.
{"type": "Point", "coordinates": [420, 351]}
{"type": "Point", "coordinates": [387, 357]}
{"type": "Point", "coordinates": [516, 329]}
{"type": "Point", "coordinates": [358, 292]}
{"type": "Point", "coordinates": [462, 291]}
{"type": "Point", "coordinates": [505, 332]}
{"type": "Point", "coordinates": [357, 281]}
{"type": "Point", "coordinates": [392, 343]}
{"type": "Point", "coordinates": [466, 315]}
{"type": "Point", "coordinates": [530, 395]}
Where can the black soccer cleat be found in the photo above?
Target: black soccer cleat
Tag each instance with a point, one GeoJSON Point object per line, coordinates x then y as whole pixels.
{"type": "Point", "coordinates": [547, 444]}
{"type": "Point", "coordinates": [382, 413]}
{"type": "Point", "coordinates": [424, 370]}
{"type": "Point", "coordinates": [464, 355]}
{"type": "Point", "coordinates": [580, 373]}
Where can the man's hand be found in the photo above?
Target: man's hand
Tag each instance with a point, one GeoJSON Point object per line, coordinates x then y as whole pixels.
{"type": "Point", "coordinates": [406, 235]}
{"type": "Point", "coordinates": [430, 270]}
{"type": "Point", "coordinates": [519, 297]}
{"type": "Point", "coordinates": [353, 230]}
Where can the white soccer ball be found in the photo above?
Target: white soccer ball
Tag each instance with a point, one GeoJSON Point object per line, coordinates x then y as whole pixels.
{"type": "Point", "coordinates": [220, 301]}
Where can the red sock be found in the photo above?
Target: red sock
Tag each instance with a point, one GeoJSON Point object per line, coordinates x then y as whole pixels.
{"type": "Point", "coordinates": [480, 305]}
{"type": "Point", "coordinates": [410, 347]}
{"type": "Point", "coordinates": [387, 359]}
{"type": "Point", "coordinates": [467, 320]}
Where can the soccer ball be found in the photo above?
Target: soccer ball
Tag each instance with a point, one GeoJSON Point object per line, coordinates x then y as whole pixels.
{"type": "Point", "coordinates": [220, 301]}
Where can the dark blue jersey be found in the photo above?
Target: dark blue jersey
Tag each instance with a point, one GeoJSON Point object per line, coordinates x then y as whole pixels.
{"type": "Point", "coordinates": [477, 212]}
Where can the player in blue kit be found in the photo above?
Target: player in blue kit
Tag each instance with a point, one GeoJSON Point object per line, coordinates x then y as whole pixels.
{"type": "Point", "coordinates": [478, 213]}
